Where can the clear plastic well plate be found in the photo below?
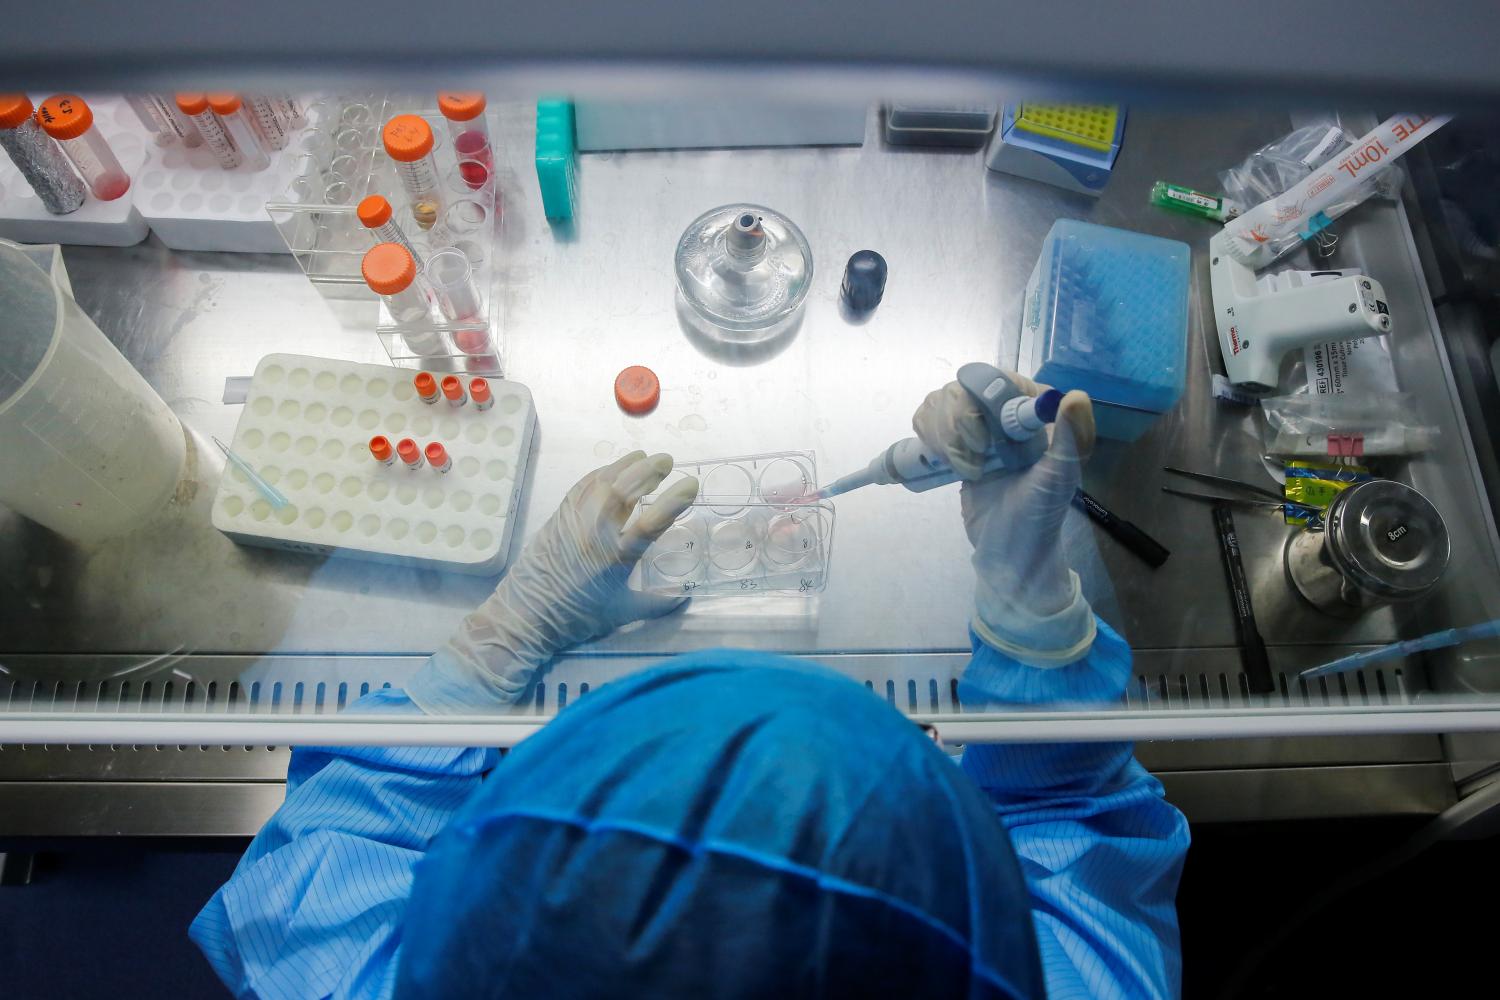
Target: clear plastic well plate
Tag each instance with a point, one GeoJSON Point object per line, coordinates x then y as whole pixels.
{"type": "Point", "coordinates": [751, 530]}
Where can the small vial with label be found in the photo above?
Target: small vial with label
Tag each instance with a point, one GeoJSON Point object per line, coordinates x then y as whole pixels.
{"type": "Point", "coordinates": [66, 118]}
{"type": "Point", "coordinates": [464, 113]}
{"type": "Point", "coordinates": [231, 111]}
{"type": "Point", "coordinates": [427, 387]}
{"type": "Point", "coordinates": [38, 158]}
{"type": "Point", "coordinates": [375, 215]}
{"type": "Point", "coordinates": [195, 106]}
{"type": "Point", "coordinates": [381, 450]}
{"type": "Point", "coordinates": [410, 454]}
{"type": "Point", "coordinates": [453, 391]}
{"type": "Point", "coordinates": [391, 272]}
{"type": "Point", "coordinates": [408, 142]}
{"type": "Point", "coordinates": [438, 458]}
{"type": "Point", "coordinates": [479, 389]}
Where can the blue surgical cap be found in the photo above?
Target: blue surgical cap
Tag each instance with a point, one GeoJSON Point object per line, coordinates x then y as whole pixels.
{"type": "Point", "coordinates": [728, 824]}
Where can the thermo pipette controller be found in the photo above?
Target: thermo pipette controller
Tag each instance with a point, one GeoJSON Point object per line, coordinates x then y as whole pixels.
{"type": "Point", "coordinates": [1260, 319]}
{"type": "Point", "coordinates": [1016, 422]}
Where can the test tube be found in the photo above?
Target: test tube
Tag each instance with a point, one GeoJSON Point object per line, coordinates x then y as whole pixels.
{"type": "Point", "coordinates": [390, 270]}
{"type": "Point", "coordinates": [268, 124]}
{"type": "Point", "coordinates": [290, 110]}
{"type": "Point", "coordinates": [411, 455]}
{"type": "Point", "coordinates": [408, 142]}
{"type": "Point", "coordinates": [178, 125]}
{"type": "Point", "coordinates": [153, 117]}
{"type": "Point", "coordinates": [37, 157]}
{"type": "Point", "coordinates": [452, 281]}
{"type": "Point", "coordinates": [453, 391]}
{"type": "Point", "coordinates": [381, 450]}
{"type": "Point", "coordinates": [479, 391]}
{"type": "Point", "coordinates": [181, 123]}
{"type": "Point", "coordinates": [67, 118]}
{"type": "Point", "coordinates": [470, 135]}
{"type": "Point", "coordinates": [375, 215]}
{"type": "Point", "coordinates": [438, 457]}
{"type": "Point", "coordinates": [210, 129]}
{"type": "Point", "coordinates": [231, 111]}
{"type": "Point", "coordinates": [427, 387]}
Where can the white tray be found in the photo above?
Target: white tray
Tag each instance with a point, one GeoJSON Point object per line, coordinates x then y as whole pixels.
{"type": "Point", "coordinates": [306, 429]}
{"type": "Point", "coordinates": [96, 223]}
{"type": "Point", "coordinates": [192, 203]}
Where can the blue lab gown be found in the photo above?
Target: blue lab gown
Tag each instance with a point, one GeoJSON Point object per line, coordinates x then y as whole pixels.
{"type": "Point", "coordinates": [322, 904]}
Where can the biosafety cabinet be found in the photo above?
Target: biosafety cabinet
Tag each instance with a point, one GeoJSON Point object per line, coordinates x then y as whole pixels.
{"type": "Point", "coordinates": [154, 669]}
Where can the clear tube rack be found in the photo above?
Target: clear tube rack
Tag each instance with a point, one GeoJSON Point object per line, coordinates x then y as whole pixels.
{"type": "Point", "coordinates": [318, 222]}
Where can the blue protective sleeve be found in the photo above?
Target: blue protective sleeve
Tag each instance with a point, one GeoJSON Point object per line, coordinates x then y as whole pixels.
{"type": "Point", "coordinates": [1099, 846]}
{"type": "Point", "coordinates": [314, 908]}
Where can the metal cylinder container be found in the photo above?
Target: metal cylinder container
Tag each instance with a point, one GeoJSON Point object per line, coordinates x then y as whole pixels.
{"type": "Point", "coordinates": [1382, 543]}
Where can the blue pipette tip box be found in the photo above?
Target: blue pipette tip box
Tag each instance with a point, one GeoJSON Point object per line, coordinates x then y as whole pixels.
{"type": "Point", "coordinates": [1106, 311]}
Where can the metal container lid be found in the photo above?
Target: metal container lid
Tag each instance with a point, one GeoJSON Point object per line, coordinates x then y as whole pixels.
{"type": "Point", "coordinates": [1388, 539]}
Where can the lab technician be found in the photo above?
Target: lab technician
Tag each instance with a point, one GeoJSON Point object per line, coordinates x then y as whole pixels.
{"type": "Point", "coordinates": [728, 823]}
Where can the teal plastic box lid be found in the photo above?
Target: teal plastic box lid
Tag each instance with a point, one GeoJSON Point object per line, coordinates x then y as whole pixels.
{"type": "Point", "coordinates": [1106, 311]}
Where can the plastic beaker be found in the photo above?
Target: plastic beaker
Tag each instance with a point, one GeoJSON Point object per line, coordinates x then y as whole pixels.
{"type": "Point", "coordinates": [90, 449]}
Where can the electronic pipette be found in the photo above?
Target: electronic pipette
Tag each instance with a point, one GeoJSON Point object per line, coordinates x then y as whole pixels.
{"type": "Point", "coordinates": [1016, 422]}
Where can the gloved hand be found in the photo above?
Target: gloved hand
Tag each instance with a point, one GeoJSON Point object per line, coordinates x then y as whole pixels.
{"type": "Point", "coordinates": [567, 586]}
{"type": "Point", "coordinates": [1028, 602]}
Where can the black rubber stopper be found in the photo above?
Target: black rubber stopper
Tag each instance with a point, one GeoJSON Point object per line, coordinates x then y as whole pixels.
{"type": "Point", "coordinates": [864, 280]}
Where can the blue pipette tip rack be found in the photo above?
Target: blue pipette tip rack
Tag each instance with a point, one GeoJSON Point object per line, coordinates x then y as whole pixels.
{"type": "Point", "coordinates": [1106, 311]}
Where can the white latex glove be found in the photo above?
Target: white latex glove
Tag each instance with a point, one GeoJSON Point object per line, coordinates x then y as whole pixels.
{"type": "Point", "coordinates": [567, 586]}
{"type": "Point", "coordinates": [1028, 602]}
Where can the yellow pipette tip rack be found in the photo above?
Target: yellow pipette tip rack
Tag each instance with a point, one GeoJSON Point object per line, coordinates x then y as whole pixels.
{"type": "Point", "coordinates": [1091, 126]}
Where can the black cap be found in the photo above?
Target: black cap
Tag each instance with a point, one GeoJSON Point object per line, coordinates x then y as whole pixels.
{"type": "Point", "coordinates": [864, 280]}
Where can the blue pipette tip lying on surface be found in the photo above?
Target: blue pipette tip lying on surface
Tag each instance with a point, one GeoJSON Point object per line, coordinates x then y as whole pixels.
{"type": "Point", "coordinates": [1434, 640]}
{"type": "Point", "coordinates": [273, 496]}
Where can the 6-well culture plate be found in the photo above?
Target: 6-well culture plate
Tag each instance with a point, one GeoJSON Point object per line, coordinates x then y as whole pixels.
{"type": "Point", "coordinates": [306, 429]}
{"type": "Point", "coordinates": [751, 530]}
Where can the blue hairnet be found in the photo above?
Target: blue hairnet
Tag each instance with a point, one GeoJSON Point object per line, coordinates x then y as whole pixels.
{"type": "Point", "coordinates": [729, 824]}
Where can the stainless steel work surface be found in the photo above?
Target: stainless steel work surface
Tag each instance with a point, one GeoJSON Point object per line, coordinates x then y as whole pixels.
{"type": "Point", "coordinates": [581, 301]}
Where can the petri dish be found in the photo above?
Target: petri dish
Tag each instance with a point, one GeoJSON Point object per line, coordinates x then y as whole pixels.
{"type": "Point", "coordinates": [729, 488]}
{"type": "Point", "coordinates": [792, 538]}
{"type": "Point", "coordinates": [733, 547]}
{"type": "Point", "coordinates": [784, 481]}
{"type": "Point", "coordinates": [678, 553]}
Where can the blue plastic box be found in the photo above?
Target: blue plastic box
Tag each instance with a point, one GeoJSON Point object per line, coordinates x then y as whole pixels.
{"type": "Point", "coordinates": [1106, 311]}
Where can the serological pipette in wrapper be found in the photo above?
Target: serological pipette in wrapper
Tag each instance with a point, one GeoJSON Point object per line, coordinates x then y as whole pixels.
{"type": "Point", "coordinates": [1018, 438]}
{"type": "Point", "coordinates": [1260, 235]}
